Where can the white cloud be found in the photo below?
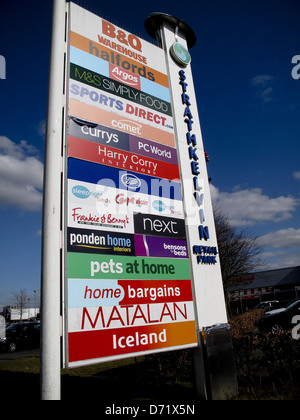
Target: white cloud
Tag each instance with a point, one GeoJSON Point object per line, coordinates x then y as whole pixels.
{"type": "Point", "coordinates": [262, 84]}
{"type": "Point", "coordinates": [20, 151]}
{"type": "Point", "coordinates": [41, 128]}
{"type": "Point", "coordinates": [284, 238]}
{"type": "Point", "coordinates": [296, 175]}
{"type": "Point", "coordinates": [261, 80]}
{"type": "Point", "coordinates": [265, 95]}
{"type": "Point", "coordinates": [282, 248]}
{"type": "Point", "coordinates": [250, 206]}
{"type": "Point", "coordinates": [281, 259]}
{"type": "Point", "coordinates": [21, 175]}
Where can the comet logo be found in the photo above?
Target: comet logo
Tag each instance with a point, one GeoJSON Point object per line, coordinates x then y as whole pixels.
{"type": "Point", "coordinates": [127, 126]}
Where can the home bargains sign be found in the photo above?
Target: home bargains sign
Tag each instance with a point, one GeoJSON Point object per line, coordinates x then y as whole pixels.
{"type": "Point", "coordinates": [128, 281]}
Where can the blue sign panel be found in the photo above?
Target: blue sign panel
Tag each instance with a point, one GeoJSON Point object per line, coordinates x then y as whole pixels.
{"type": "Point", "coordinates": [124, 180]}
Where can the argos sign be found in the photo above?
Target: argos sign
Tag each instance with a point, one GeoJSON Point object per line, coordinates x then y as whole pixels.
{"type": "Point", "coordinates": [124, 76]}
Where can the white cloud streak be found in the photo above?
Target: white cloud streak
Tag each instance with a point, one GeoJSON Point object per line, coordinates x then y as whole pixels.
{"type": "Point", "coordinates": [284, 238]}
{"type": "Point", "coordinates": [262, 80]}
{"type": "Point", "coordinates": [262, 84]}
{"type": "Point", "coordinates": [21, 175]}
{"type": "Point", "coordinates": [250, 206]}
{"type": "Point", "coordinates": [296, 175]}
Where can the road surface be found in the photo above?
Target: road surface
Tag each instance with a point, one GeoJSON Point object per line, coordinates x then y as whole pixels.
{"type": "Point", "coordinates": [6, 357]}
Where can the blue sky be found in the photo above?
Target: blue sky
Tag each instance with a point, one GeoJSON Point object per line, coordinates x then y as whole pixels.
{"type": "Point", "coordinates": [249, 108]}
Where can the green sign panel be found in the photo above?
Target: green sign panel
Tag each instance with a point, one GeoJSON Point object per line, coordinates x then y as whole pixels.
{"type": "Point", "coordinates": [91, 266]}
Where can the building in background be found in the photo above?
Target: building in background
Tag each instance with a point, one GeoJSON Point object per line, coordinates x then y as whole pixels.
{"type": "Point", "coordinates": [13, 314]}
{"type": "Point", "coordinates": [282, 285]}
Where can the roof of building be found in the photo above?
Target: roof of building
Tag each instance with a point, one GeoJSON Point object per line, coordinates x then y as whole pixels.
{"type": "Point", "coordinates": [272, 278]}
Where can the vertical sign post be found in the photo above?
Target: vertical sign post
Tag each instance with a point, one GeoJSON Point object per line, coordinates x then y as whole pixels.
{"type": "Point", "coordinates": [176, 37]}
{"type": "Point", "coordinates": [52, 214]}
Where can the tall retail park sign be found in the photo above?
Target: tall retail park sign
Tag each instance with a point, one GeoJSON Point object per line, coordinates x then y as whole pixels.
{"type": "Point", "coordinates": [142, 272]}
{"type": "Point", "coordinates": [128, 278]}
{"type": "Point", "coordinates": [130, 260]}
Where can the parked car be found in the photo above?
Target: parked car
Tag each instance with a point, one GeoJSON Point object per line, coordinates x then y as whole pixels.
{"type": "Point", "coordinates": [23, 335]}
{"type": "Point", "coordinates": [272, 304]}
{"type": "Point", "coordinates": [280, 319]}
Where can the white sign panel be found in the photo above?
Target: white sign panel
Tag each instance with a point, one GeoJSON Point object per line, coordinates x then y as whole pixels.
{"type": "Point", "coordinates": [208, 286]}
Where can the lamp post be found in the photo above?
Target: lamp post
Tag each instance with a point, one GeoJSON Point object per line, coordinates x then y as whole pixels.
{"type": "Point", "coordinates": [35, 290]}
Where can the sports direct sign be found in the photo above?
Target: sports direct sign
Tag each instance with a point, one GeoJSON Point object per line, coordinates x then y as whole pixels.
{"type": "Point", "coordinates": [128, 280]}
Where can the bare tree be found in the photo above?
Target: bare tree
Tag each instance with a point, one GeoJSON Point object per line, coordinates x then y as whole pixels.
{"type": "Point", "coordinates": [239, 251]}
{"type": "Point", "coordinates": [21, 299]}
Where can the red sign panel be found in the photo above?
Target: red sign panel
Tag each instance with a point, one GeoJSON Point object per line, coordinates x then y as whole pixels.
{"type": "Point", "coordinates": [98, 153]}
{"type": "Point", "coordinates": [124, 76]}
{"type": "Point", "coordinates": [103, 343]}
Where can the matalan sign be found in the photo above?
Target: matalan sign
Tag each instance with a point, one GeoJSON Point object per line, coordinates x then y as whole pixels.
{"type": "Point", "coordinates": [128, 280]}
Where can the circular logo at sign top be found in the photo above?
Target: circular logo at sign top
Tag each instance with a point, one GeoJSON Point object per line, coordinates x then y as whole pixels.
{"type": "Point", "coordinates": [180, 54]}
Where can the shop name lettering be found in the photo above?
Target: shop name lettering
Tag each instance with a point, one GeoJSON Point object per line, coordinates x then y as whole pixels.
{"type": "Point", "coordinates": [100, 134]}
{"type": "Point", "coordinates": [131, 268]}
{"type": "Point", "coordinates": [96, 220]}
{"type": "Point", "coordinates": [192, 143]}
{"type": "Point", "coordinates": [198, 194]}
{"type": "Point", "coordinates": [2, 67]}
{"type": "Point", "coordinates": [117, 59]}
{"type": "Point", "coordinates": [124, 76]}
{"type": "Point", "coordinates": [127, 45]}
{"type": "Point", "coordinates": [122, 158]}
{"type": "Point", "coordinates": [153, 293]}
{"type": "Point", "coordinates": [94, 239]}
{"type": "Point", "coordinates": [127, 315]}
{"type": "Point", "coordinates": [131, 40]}
{"type": "Point", "coordinates": [111, 102]}
{"type": "Point", "coordinates": [104, 83]}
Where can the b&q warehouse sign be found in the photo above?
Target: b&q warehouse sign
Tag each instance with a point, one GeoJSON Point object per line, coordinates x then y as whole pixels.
{"type": "Point", "coordinates": [142, 271]}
